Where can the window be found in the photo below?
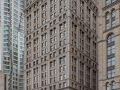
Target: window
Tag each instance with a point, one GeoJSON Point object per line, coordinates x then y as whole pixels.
{"type": "Point", "coordinates": [107, 2]}
{"type": "Point", "coordinates": [54, 38]}
{"type": "Point", "coordinates": [113, 13]}
{"type": "Point", "coordinates": [54, 46]}
{"type": "Point", "coordinates": [113, 85]}
{"type": "Point", "coordinates": [111, 62]}
{"type": "Point", "coordinates": [61, 10]}
{"type": "Point", "coordinates": [64, 1]}
{"type": "Point", "coordinates": [50, 80]}
{"type": "Point", "coordinates": [64, 24]}
{"type": "Point", "coordinates": [51, 64]}
{"type": "Point", "coordinates": [65, 8]}
{"type": "Point", "coordinates": [61, 26]}
{"type": "Point", "coordinates": [60, 85]}
{"type": "Point", "coordinates": [107, 86]}
{"type": "Point", "coordinates": [64, 59]}
{"type": "Point", "coordinates": [61, 43]}
{"type": "Point", "coordinates": [107, 21]}
{"type": "Point", "coordinates": [53, 31]}
{"type": "Point", "coordinates": [60, 60]}
{"type": "Point", "coordinates": [60, 77]}
{"type": "Point", "coordinates": [64, 41]}
{"type": "Point", "coordinates": [51, 1]}
{"type": "Point", "coordinates": [54, 7]}
{"type": "Point", "coordinates": [60, 18]}
{"type": "Point", "coordinates": [54, 87]}
{"type": "Point", "coordinates": [54, 71]}
{"type": "Point", "coordinates": [111, 50]}
{"type": "Point", "coordinates": [64, 15]}
{"type": "Point", "coordinates": [60, 51]}
{"type": "Point", "coordinates": [64, 84]}
{"type": "Point", "coordinates": [113, 18]}
{"type": "Point", "coordinates": [54, 62]}
{"type": "Point", "coordinates": [64, 68]}
{"type": "Point", "coordinates": [54, 22]}
{"type": "Point", "coordinates": [64, 49]}
{"type": "Point", "coordinates": [110, 73]}
{"type": "Point", "coordinates": [61, 35]}
{"type": "Point", "coordinates": [60, 2]}
{"type": "Point", "coordinates": [50, 23]}
{"type": "Point", "coordinates": [64, 33]}
{"type": "Point", "coordinates": [60, 69]}
{"type": "Point", "coordinates": [110, 38]}
{"type": "Point", "coordinates": [64, 76]}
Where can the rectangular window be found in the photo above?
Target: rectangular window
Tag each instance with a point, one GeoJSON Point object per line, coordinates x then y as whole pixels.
{"type": "Point", "coordinates": [107, 2]}
{"type": "Point", "coordinates": [111, 50]}
{"type": "Point", "coordinates": [110, 73]}
{"type": "Point", "coordinates": [111, 62]}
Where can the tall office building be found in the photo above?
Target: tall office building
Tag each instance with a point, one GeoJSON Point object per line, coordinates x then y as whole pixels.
{"type": "Point", "coordinates": [12, 42]}
{"type": "Point", "coordinates": [60, 45]}
{"type": "Point", "coordinates": [109, 44]}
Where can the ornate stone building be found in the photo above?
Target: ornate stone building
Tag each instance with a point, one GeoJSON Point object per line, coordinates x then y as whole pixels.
{"type": "Point", "coordinates": [109, 44]}
{"type": "Point", "coordinates": [60, 45]}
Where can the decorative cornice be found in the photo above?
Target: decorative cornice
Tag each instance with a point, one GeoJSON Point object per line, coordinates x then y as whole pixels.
{"type": "Point", "coordinates": [31, 4]}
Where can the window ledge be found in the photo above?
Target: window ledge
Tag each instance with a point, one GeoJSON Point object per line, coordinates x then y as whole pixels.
{"type": "Point", "coordinates": [111, 28]}
{"type": "Point", "coordinates": [110, 4]}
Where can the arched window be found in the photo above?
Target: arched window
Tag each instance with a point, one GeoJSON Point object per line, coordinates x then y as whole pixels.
{"type": "Point", "coordinates": [110, 38]}
{"type": "Point", "coordinates": [107, 86]}
{"type": "Point", "coordinates": [113, 85]}
{"type": "Point", "coordinates": [110, 56]}
{"type": "Point", "coordinates": [113, 17]}
{"type": "Point", "coordinates": [107, 16]}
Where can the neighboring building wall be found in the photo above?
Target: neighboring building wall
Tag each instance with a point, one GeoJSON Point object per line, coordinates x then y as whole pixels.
{"type": "Point", "coordinates": [60, 45]}
{"type": "Point", "coordinates": [1, 80]}
{"type": "Point", "coordinates": [109, 44]}
{"type": "Point", "coordinates": [6, 82]}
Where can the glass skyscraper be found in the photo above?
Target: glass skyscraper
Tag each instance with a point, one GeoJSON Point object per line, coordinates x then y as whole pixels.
{"type": "Point", "coordinates": [12, 41]}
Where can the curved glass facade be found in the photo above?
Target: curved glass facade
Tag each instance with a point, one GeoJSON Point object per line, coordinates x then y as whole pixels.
{"type": "Point", "coordinates": [12, 42]}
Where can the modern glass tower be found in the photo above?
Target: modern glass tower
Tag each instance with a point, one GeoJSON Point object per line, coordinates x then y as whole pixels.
{"type": "Point", "coordinates": [12, 42]}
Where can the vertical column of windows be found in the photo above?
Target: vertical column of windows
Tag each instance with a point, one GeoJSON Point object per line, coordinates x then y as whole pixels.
{"type": "Point", "coordinates": [44, 13]}
{"type": "Point", "coordinates": [62, 27]}
{"type": "Point", "coordinates": [62, 71]}
{"type": "Point", "coordinates": [110, 56]}
{"type": "Point", "coordinates": [53, 71]}
{"type": "Point", "coordinates": [88, 77]}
